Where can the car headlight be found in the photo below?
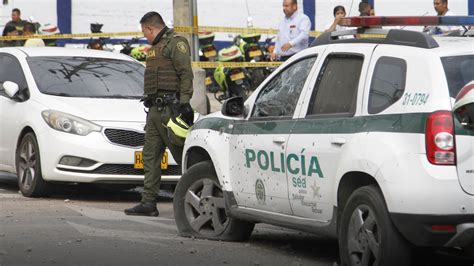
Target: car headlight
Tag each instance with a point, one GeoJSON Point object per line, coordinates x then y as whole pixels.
{"type": "Point", "coordinates": [69, 123]}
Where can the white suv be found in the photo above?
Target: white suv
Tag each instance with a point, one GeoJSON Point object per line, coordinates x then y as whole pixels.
{"type": "Point", "coordinates": [353, 138]}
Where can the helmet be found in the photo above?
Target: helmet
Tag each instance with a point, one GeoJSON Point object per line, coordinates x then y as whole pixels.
{"type": "Point", "coordinates": [139, 53]}
{"type": "Point", "coordinates": [229, 53]}
{"type": "Point", "coordinates": [177, 130]}
{"type": "Point", "coordinates": [48, 29]}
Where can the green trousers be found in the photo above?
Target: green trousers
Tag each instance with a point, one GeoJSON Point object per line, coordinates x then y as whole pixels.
{"type": "Point", "coordinates": [156, 141]}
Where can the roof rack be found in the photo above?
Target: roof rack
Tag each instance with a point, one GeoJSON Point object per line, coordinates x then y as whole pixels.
{"type": "Point", "coordinates": [393, 36]}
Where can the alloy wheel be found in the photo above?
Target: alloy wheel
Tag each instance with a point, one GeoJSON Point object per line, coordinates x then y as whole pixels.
{"type": "Point", "coordinates": [363, 237]}
{"type": "Point", "coordinates": [27, 164]}
{"type": "Point", "coordinates": [205, 208]}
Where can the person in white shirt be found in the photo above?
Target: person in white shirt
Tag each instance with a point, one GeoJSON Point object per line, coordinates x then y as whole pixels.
{"type": "Point", "coordinates": [293, 35]}
{"type": "Point", "coordinates": [441, 8]}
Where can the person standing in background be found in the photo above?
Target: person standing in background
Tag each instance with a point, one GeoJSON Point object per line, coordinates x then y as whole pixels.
{"type": "Point", "coordinates": [29, 30]}
{"type": "Point", "coordinates": [339, 12]}
{"type": "Point", "coordinates": [441, 8]}
{"type": "Point", "coordinates": [10, 31]}
{"type": "Point", "coordinates": [16, 21]}
{"type": "Point", "coordinates": [293, 35]}
{"type": "Point", "coordinates": [364, 9]}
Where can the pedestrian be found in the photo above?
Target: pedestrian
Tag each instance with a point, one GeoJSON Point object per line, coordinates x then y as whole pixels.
{"type": "Point", "coordinates": [10, 30]}
{"type": "Point", "coordinates": [364, 9]}
{"type": "Point", "coordinates": [29, 30]}
{"type": "Point", "coordinates": [16, 21]}
{"type": "Point", "coordinates": [339, 12]}
{"type": "Point", "coordinates": [293, 35]}
{"type": "Point", "coordinates": [167, 91]}
{"type": "Point", "coordinates": [441, 8]}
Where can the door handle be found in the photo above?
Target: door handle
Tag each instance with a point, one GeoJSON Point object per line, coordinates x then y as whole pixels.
{"type": "Point", "coordinates": [279, 140]}
{"type": "Point", "coordinates": [338, 141]}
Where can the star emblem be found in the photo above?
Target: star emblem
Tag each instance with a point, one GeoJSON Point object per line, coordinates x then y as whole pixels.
{"type": "Point", "coordinates": [316, 190]}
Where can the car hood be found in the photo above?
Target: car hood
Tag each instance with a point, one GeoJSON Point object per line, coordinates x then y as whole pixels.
{"type": "Point", "coordinates": [95, 109]}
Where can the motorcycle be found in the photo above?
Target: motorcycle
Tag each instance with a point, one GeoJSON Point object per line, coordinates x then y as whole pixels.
{"type": "Point", "coordinates": [253, 52]}
{"type": "Point", "coordinates": [208, 53]}
{"type": "Point", "coordinates": [96, 44]}
{"type": "Point", "coordinates": [138, 52]}
{"type": "Point", "coordinates": [232, 81]}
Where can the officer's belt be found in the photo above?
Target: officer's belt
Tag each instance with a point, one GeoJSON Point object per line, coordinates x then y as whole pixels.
{"type": "Point", "coordinates": [161, 100]}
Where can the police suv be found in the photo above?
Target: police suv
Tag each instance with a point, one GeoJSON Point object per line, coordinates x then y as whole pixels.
{"type": "Point", "coordinates": [355, 138]}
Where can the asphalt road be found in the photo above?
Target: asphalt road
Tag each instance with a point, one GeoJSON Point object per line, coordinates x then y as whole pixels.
{"type": "Point", "coordinates": [85, 225]}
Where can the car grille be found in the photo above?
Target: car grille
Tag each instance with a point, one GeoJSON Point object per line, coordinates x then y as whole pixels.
{"type": "Point", "coordinates": [125, 169]}
{"type": "Point", "coordinates": [123, 137]}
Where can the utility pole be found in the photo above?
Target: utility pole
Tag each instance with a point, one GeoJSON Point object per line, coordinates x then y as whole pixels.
{"type": "Point", "coordinates": [185, 14]}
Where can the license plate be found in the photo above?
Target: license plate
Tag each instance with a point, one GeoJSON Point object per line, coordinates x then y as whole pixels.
{"type": "Point", "coordinates": [255, 53]}
{"type": "Point", "coordinates": [237, 76]}
{"type": "Point", "coordinates": [138, 160]}
{"type": "Point", "coordinates": [210, 53]}
{"type": "Point", "coordinates": [208, 81]}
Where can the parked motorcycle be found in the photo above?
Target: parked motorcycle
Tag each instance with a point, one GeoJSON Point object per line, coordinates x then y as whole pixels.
{"type": "Point", "coordinates": [253, 52]}
{"type": "Point", "coordinates": [208, 53]}
{"type": "Point", "coordinates": [232, 81]}
{"type": "Point", "coordinates": [96, 44]}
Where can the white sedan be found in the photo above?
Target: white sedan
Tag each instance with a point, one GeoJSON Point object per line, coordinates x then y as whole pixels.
{"type": "Point", "coordinates": [72, 115]}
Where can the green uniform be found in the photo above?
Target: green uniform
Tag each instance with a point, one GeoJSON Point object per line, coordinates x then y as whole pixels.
{"type": "Point", "coordinates": [168, 70]}
{"type": "Point", "coordinates": [18, 25]}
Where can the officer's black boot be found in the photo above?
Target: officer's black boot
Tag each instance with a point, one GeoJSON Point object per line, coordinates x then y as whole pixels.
{"type": "Point", "coordinates": [143, 209]}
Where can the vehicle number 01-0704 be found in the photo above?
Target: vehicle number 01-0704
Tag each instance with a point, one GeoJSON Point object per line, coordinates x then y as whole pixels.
{"type": "Point", "coordinates": [415, 99]}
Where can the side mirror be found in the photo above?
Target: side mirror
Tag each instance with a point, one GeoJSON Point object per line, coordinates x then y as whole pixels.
{"type": "Point", "coordinates": [233, 107]}
{"type": "Point", "coordinates": [11, 88]}
{"type": "Point", "coordinates": [464, 106]}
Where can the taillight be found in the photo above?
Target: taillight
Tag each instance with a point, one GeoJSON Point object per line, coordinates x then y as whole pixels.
{"type": "Point", "coordinates": [439, 136]}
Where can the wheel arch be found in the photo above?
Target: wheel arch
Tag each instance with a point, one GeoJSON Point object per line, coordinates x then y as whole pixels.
{"type": "Point", "coordinates": [349, 183]}
{"type": "Point", "coordinates": [196, 155]}
{"type": "Point", "coordinates": [24, 131]}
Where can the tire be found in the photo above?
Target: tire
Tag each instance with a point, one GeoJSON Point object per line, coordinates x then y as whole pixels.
{"type": "Point", "coordinates": [199, 207]}
{"type": "Point", "coordinates": [366, 233]}
{"type": "Point", "coordinates": [28, 168]}
{"type": "Point", "coordinates": [238, 90]}
{"type": "Point", "coordinates": [258, 77]}
{"type": "Point", "coordinates": [208, 105]}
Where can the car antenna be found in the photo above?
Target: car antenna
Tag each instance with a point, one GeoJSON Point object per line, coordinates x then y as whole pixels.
{"type": "Point", "coordinates": [249, 17]}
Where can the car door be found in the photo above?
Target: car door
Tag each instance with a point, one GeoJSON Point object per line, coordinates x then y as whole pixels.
{"type": "Point", "coordinates": [259, 142]}
{"type": "Point", "coordinates": [10, 110]}
{"type": "Point", "coordinates": [325, 126]}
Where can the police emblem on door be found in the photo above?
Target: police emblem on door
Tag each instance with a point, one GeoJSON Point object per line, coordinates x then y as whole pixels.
{"type": "Point", "coordinates": [260, 191]}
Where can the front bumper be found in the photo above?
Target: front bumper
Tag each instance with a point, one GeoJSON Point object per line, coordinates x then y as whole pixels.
{"type": "Point", "coordinates": [417, 229]}
{"type": "Point", "coordinates": [113, 163]}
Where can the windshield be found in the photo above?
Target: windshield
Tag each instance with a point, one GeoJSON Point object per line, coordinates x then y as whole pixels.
{"type": "Point", "coordinates": [87, 77]}
{"type": "Point", "coordinates": [459, 71]}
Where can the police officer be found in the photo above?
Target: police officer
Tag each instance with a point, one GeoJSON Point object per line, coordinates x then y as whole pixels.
{"type": "Point", "coordinates": [168, 89]}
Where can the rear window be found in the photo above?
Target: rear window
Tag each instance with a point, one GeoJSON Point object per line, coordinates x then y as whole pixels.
{"type": "Point", "coordinates": [87, 77]}
{"type": "Point", "coordinates": [459, 71]}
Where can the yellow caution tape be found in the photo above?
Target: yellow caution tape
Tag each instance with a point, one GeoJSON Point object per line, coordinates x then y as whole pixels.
{"type": "Point", "coordinates": [235, 64]}
{"type": "Point", "coordinates": [191, 30]}
{"type": "Point", "coordinates": [178, 29]}
{"type": "Point", "coordinates": [70, 36]}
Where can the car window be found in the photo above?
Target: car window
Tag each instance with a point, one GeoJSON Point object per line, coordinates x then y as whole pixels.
{"type": "Point", "coordinates": [87, 77]}
{"type": "Point", "coordinates": [10, 70]}
{"type": "Point", "coordinates": [336, 89]}
{"type": "Point", "coordinates": [280, 96]}
{"type": "Point", "coordinates": [388, 83]}
{"type": "Point", "coordinates": [459, 71]}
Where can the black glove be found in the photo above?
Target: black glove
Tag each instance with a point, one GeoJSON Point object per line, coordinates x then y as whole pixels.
{"type": "Point", "coordinates": [187, 113]}
{"type": "Point", "coordinates": [147, 102]}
